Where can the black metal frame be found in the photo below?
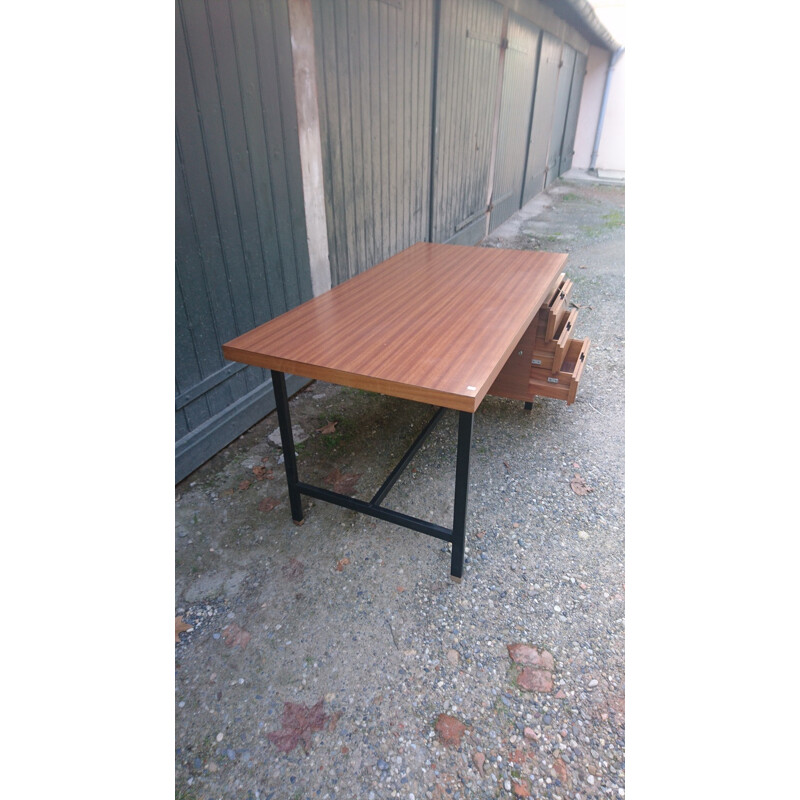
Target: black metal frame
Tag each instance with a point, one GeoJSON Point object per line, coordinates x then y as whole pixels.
{"type": "Point", "coordinates": [373, 508]}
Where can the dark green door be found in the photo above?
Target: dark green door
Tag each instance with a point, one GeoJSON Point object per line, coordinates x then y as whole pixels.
{"type": "Point", "coordinates": [241, 256]}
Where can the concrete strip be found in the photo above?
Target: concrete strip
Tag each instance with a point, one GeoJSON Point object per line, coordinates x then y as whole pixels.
{"type": "Point", "coordinates": [305, 87]}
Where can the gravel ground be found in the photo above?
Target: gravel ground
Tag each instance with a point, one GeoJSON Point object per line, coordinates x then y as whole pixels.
{"type": "Point", "coordinates": [338, 660]}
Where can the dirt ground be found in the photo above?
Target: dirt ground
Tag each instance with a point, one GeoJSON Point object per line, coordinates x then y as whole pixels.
{"type": "Point", "coordinates": [337, 659]}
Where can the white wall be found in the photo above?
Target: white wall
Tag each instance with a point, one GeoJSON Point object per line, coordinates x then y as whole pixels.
{"type": "Point", "coordinates": [611, 152]}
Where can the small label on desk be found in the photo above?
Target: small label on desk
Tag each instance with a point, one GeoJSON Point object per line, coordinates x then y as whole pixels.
{"type": "Point", "coordinates": [471, 388]}
{"type": "Point", "coordinates": [552, 380]}
{"type": "Point", "coordinates": [536, 361]}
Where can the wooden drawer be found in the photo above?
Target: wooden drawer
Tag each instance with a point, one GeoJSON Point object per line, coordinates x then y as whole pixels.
{"type": "Point", "coordinates": [550, 354]}
{"type": "Point", "coordinates": [555, 307]}
{"type": "Point", "coordinates": [563, 384]}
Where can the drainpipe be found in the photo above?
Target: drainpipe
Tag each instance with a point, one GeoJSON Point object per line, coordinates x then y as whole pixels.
{"type": "Point", "coordinates": [611, 64]}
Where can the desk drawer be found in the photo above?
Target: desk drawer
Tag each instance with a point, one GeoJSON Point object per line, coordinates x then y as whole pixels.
{"type": "Point", "coordinates": [550, 354]}
{"type": "Point", "coordinates": [556, 307]}
{"type": "Point", "coordinates": [562, 384]}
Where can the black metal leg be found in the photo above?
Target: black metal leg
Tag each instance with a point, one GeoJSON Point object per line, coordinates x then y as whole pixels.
{"type": "Point", "coordinates": [462, 486]}
{"type": "Point", "coordinates": [528, 406]}
{"type": "Point", "coordinates": [287, 442]}
{"type": "Point", "coordinates": [374, 508]}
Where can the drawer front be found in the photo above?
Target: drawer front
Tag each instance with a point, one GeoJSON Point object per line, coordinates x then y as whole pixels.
{"type": "Point", "coordinates": [552, 292]}
{"type": "Point", "coordinates": [564, 336]}
{"type": "Point", "coordinates": [543, 359]}
{"type": "Point", "coordinates": [556, 308]}
{"type": "Point", "coordinates": [550, 354]}
{"type": "Point", "coordinates": [550, 298]}
{"type": "Point", "coordinates": [563, 384]}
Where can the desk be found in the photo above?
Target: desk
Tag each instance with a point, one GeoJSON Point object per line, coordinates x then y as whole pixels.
{"type": "Point", "coordinates": [435, 323]}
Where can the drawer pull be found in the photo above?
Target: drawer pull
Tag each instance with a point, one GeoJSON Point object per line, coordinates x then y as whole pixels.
{"type": "Point", "coordinates": [569, 326]}
{"type": "Point", "coordinates": [582, 356]}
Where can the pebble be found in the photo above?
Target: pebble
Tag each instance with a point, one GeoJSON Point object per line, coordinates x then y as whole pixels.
{"type": "Point", "coordinates": [458, 664]}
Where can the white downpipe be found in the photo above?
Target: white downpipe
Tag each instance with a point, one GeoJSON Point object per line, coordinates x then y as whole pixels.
{"type": "Point", "coordinates": [615, 57]}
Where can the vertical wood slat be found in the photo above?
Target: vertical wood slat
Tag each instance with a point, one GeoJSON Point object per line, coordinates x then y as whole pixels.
{"type": "Point", "coordinates": [256, 163]}
{"type": "Point", "coordinates": [441, 126]}
{"type": "Point", "coordinates": [372, 118]}
{"type": "Point", "coordinates": [468, 55]}
{"type": "Point", "coordinates": [240, 246]}
{"type": "Point", "coordinates": [519, 77]}
{"type": "Point", "coordinates": [197, 244]}
{"type": "Point", "coordinates": [355, 77]}
{"type": "Point", "coordinates": [560, 114]}
{"type": "Point", "coordinates": [542, 119]}
{"type": "Point", "coordinates": [458, 142]}
{"type": "Point", "coordinates": [405, 70]}
{"type": "Point", "coordinates": [224, 280]}
{"type": "Point", "coordinates": [568, 148]}
{"type": "Point", "coordinates": [385, 153]}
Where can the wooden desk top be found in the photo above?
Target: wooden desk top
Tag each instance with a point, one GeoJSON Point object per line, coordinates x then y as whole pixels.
{"type": "Point", "coordinates": [434, 323]}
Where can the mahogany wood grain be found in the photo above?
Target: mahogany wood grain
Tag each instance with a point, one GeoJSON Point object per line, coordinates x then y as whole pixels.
{"type": "Point", "coordinates": [543, 358]}
{"type": "Point", "coordinates": [557, 306]}
{"type": "Point", "coordinates": [555, 288]}
{"type": "Point", "coordinates": [512, 380]}
{"type": "Point", "coordinates": [578, 370]}
{"type": "Point", "coordinates": [564, 333]}
{"type": "Point", "coordinates": [434, 323]}
{"type": "Point", "coordinates": [568, 376]}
